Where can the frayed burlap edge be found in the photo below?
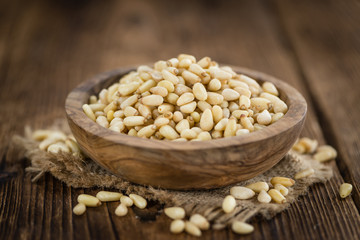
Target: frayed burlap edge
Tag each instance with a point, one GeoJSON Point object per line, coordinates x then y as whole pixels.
{"type": "Point", "coordinates": [79, 172]}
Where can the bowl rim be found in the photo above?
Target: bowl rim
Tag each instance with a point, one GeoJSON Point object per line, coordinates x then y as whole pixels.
{"type": "Point", "coordinates": [297, 108]}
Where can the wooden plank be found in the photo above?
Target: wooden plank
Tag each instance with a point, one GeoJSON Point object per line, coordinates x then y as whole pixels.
{"type": "Point", "coordinates": [325, 38]}
{"type": "Point", "coordinates": [71, 46]}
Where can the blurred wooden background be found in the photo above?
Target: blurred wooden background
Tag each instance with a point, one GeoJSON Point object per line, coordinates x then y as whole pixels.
{"type": "Point", "coordinates": [48, 47]}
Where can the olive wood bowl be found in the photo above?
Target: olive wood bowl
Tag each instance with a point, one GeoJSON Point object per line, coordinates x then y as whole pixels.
{"type": "Point", "coordinates": [185, 165]}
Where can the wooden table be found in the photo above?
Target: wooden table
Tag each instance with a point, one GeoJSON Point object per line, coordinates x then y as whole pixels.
{"type": "Point", "coordinates": [48, 47]}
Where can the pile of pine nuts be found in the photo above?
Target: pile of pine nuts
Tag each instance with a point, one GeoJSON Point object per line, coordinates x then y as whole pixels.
{"type": "Point", "coordinates": [310, 146]}
{"type": "Point", "coordinates": [55, 141]}
{"type": "Point", "coordinates": [183, 99]}
{"type": "Point", "coordinates": [86, 200]}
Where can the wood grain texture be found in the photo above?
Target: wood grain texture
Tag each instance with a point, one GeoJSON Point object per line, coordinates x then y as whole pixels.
{"type": "Point", "coordinates": [189, 165]}
{"type": "Point", "coordinates": [48, 48]}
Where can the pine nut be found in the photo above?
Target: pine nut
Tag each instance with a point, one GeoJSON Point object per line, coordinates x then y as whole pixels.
{"type": "Point", "coordinates": [199, 91]}
{"type": "Point", "coordinates": [139, 201]}
{"type": "Point", "coordinates": [195, 116]}
{"type": "Point", "coordinates": [206, 120]}
{"type": "Point", "coordinates": [182, 125]}
{"type": "Point", "coordinates": [197, 130]}
{"type": "Point", "coordinates": [283, 190]}
{"type": "Point", "coordinates": [178, 116]}
{"type": "Point", "coordinates": [276, 196]}
{"type": "Point", "coordinates": [192, 229]}
{"type": "Point", "coordinates": [132, 132]}
{"type": "Point", "coordinates": [230, 129]}
{"type": "Point", "coordinates": [230, 94]}
{"type": "Point", "coordinates": [188, 108]}
{"type": "Point", "coordinates": [287, 182]}
{"type": "Point", "coordinates": [175, 212]}
{"type": "Point", "coordinates": [152, 100]}
{"type": "Point", "coordinates": [214, 85]}
{"type": "Point", "coordinates": [221, 125]}
{"type": "Point", "coordinates": [325, 153]}
{"type": "Point", "coordinates": [197, 69]}
{"type": "Point", "coordinates": [278, 104]}
{"type": "Point", "coordinates": [187, 56]}
{"type": "Point", "coordinates": [264, 197]}
{"type": "Point", "coordinates": [79, 209]}
{"type": "Point", "coordinates": [244, 102]}
{"type": "Point", "coordinates": [190, 77]}
{"type": "Point", "coordinates": [242, 193]}
{"type": "Point", "coordinates": [214, 98]}
{"type": "Point", "coordinates": [202, 105]}
{"type": "Point", "coordinates": [204, 62]}
{"type": "Point", "coordinates": [249, 81]}
{"type": "Point", "coordinates": [53, 138]}
{"type": "Point", "coordinates": [121, 210]}
{"type": "Point", "coordinates": [127, 89]}
{"type": "Point", "coordinates": [103, 96]}
{"type": "Point", "coordinates": [168, 132]}
{"type": "Point", "coordinates": [243, 91]}
{"type": "Point", "coordinates": [58, 147]}
{"type": "Point", "coordinates": [299, 147]}
{"type": "Point", "coordinates": [72, 145]}
{"type": "Point", "coordinates": [204, 136]}
{"type": "Point", "coordinates": [304, 173]}
{"type": "Point", "coordinates": [185, 98]}
{"type": "Point", "coordinates": [216, 134]}
{"type": "Point", "coordinates": [88, 111]}
{"type": "Point", "coordinates": [169, 86]}
{"type": "Point", "coordinates": [276, 117]}
{"type": "Point", "coordinates": [93, 99]}
{"type": "Point", "coordinates": [169, 76]}
{"type": "Point", "coordinates": [246, 123]}
{"type": "Point", "coordinates": [229, 204]}
{"type": "Point", "coordinates": [146, 86]}
{"type": "Point", "coordinates": [241, 227]}
{"type": "Point", "coordinates": [345, 190]}
{"type": "Point", "coordinates": [264, 118]}
{"type": "Point", "coordinates": [258, 186]}
{"type": "Point", "coordinates": [160, 65]}
{"type": "Point", "coordinates": [200, 221]}
{"type": "Point", "coordinates": [88, 200]}
{"type": "Point", "coordinates": [177, 226]}
{"type": "Point", "coordinates": [188, 134]}
{"type": "Point", "coordinates": [219, 73]}
{"type": "Point", "coordinates": [159, 91]}
{"type": "Point", "coordinates": [270, 88]}
{"type": "Point", "coordinates": [126, 201]}
{"type": "Point", "coordinates": [134, 121]}
{"type": "Point", "coordinates": [147, 131]}
{"type": "Point", "coordinates": [310, 144]}
{"type": "Point", "coordinates": [129, 101]}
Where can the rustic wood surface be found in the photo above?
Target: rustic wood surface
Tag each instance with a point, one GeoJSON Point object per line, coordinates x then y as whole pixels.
{"type": "Point", "coordinates": [49, 47]}
{"type": "Point", "coordinates": [188, 165]}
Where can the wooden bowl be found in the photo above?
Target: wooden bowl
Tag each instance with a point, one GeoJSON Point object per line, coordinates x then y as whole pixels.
{"type": "Point", "coordinates": [185, 165]}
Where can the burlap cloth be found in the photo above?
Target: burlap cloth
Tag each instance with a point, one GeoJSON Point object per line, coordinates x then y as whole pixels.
{"type": "Point", "coordinates": [81, 172]}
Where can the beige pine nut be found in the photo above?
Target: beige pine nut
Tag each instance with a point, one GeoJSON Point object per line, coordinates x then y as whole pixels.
{"type": "Point", "coordinates": [204, 62]}
{"type": "Point", "coordinates": [152, 100]}
{"type": "Point", "coordinates": [246, 123]}
{"type": "Point", "coordinates": [110, 115]}
{"type": "Point", "coordinates": [156, 76]}
{"type": "Point", "coordinates": [200, 92]}
{"type": "Point", "coordinates": [139, 201]}
{"type": "Point", "coordinates": [106, 196]}
{"type": "Point", "coordinates": [160, 65]}
{"type": "Point", "coordinates": [233, 107]}
{"type": "Point", "coordinates": [237, 113]}
{"type": "Point", "coordinates": [159, 91]}
{"type": "Point", "coordinates": [243, 91]}
{"type": "Point", "coordinates": [147, 131]}
{"type": "Point", "coordinates": [234, 83]}
{"type": "Point", "coordinates": [299, 147]}
{"type": "Point", "coordinates": [79, 209]}
{"type": "Point", "coordinates": [270, 88]}
{"type": "Point", "coordinates": [88, 200]}
{"type": "Point", "coordinates": [126, 201]}
{"type": "Point", "coordinates": [168, 132]}
{"type": "Point", "coordinates": [287, 182]}
{"type": "Point", "coordinates": [97, 107]}
{"type": "Point", "coordinates": [184, 63]}
{"type": "Point", "coordinates": [40, 135]}
{"type": "Point", "coordinates": [214, 98]}
{"type": "Point", "coordinates": [192, 229]}
{"type": "Point", "coordinates": [130, 111]}
{"type": "Point", "coordinates": [264, 118]}
{"type": "Point", "coordinates": [188, 134]}
{"type": "Point", "coordinates": [166, 107]}
{"type": "Point", "coordinates": [200, 221]}
{"type": "Point", "coordinates": [244, 102]}
{"type": "Point", "coordinates": [221, 125]}
{"type": "Point", "coordinates": [240, 132]}
{"type": "Point", "coordinates": [216, 134]}
{"type": "Point", "coordinates": [128, 88]}
{"type": "Point", "coordinates": [197, 130]}
{"type": "Point", "coordinates": [169, 86]}
{"type": "Point", "coordinates": [102, 121]}
{"type": "Point", "coordinates": [173, 62]}
{"type": "Point", "coordinates": [241, 192]}
{"type": "Point", "coordinates": [173, 70]}
{"type": "Point", "coordinates": [178, 116]}
{"type": "Point", "coordinates": [345, 190]}
{"type": "Point", "coordinates": [229, 204]}
{"type": "Point", "coordinates": [145, 111]}
{"type": "Point", "coordinates": [129, 101]}
{"type": "Point", "coordinates": [89, 112]}
{"type": "Point", "coordinates": [206, 120]}
{"type": "Point", "coordinates": [309, 144]}
{"type": "Point", "coordinates": [132, 132]}
{"type": "Point", "coordinates": [196, 116]}
{"type": "Point", "coordinates": [214, 85]}
{"type": "Point", "coordinates": [185, 98]}
{"type": "Point", "coordinates": [260, 104]}
{"type": "Point", "coordinates": [219, 73]}
{"type": "Point", "coordinates": [241, 227]}
{"type": "Point", "coordinates": [249, 81]}
{"type": "Point", "coordinates": [264, 197]}
{"type": "Point", "coordinates": [144, 68]}
{"type": "Point", "coordinates": [278, 104]}
{"type": "Point", "coordinates": [54, 137]}
{"type": "Point", "coordinates": [197, 69]}
{"type": "Point", "coordinates": [229, 70]}
{"type": "Point", "coordinates": [276, 117]}
{"type": "Point", "coordinates": [230, 94]}
{"type": "Point", "coordinates": [93, 99]}
{"type": "Point", "coordinates": [258, 186]}
{"type": "Point", "coordinates": [305, 173]}
{"type": "Point", "coordinates": [161, 121]}
{"type": "Point", "coordinates": [103, 96]}
{"type": "Point", "coordinates": [204, 136]}
{"type": "Point", "coordinates": [283, 190]}
{"type": "Point", "coordinates": [182, 125]}
{"type": "Point", "coordinates": [230, 129]}
{"type": "Point", "coordinates": [190, 77]}
{"type": "Point", "coordinates": [202, 105]}
{"type": "Point", "coordinates": [175, 212]}
{"type": "Point", "coordinates": [276, 196]}
{"type": "Point", "coordinates": [177, 226]}
{"type": "Point", "coordinates": [146, 86]}
{"type": "Point", "coordinates": [121, 210]}
{"type": "Point", "coordinates": [172, 98]}
{"type": "Point", "coordinates": [58, 147]}
{"type": "Point", "coordinates": [187, 56]}
{"type": "Point", "coordinates": [324, 156]}
{"type": "Point", "coordinates": [134, 121]}
{"type": "Point", "coordinates": [326, 148]}
{"type": "Point", "coordinates": [72, 145]}
{"type": "Point", "coordinates": [112, 106]}
{"type": "Point", "coordinates": [188, 108]}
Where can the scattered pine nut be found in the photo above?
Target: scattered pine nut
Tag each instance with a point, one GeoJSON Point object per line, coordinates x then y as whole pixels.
{"type": "Point", "coordinates": [175, 212]}
{"type": "Point", "coordinates": [287, 182]}
{"type": "Point", "coordinates": [264, 197]}
{"type": "Point", "coordinates": [139, 201]}
{"type": "Point", "coordinates": [258, 186]}
{"type": "Point", "coordinates": [126, 201]}
{"type": "Point", "coordinates": [283, 190]}
{"type": "Point", "coordinates": [229, 204]}
{"type": "Point", "coordinates": [121, 210]}
{"type": "Point", "coordinates": [325, 153]}
{"type": "Point", "coordinates": [345, 190]}
{"type": "Point", "coordinates": [276, 196]}
{"type": "Point", "coordinates": [304, 173]}
{"type": "Point", "coordinates": [200, 221]}
{"type": "Point", "coordinates": [88, 200]}
{"type": "Point", "coordinates": [192, 229]}
{"type": "Point", "coordinates": [241, 227]}
{"type": "Point", "coordinates": [242, 192]}
{"type": "Point", "coordinates": [106, 196]}
{"type": "Point", "coordinates": [79, 209]}
{"type": "Point", "coordinates": [177, 226]}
